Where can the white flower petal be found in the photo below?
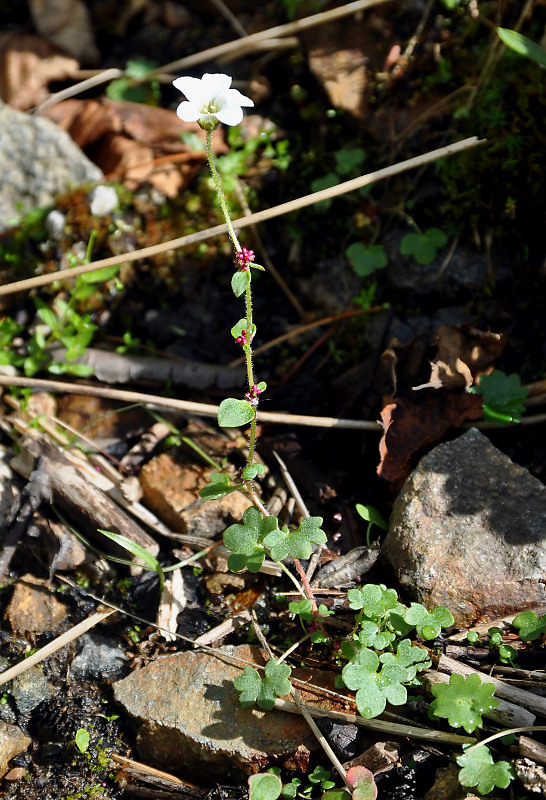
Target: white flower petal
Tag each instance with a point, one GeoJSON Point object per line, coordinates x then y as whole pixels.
{"type": "Point", "coordinates": [230, 115]}
{"type": "Point", "coordinates": [189, 112]}
{"type": "Point", "coordinates": [234, 97]}
{"type": "Point", "coordinates": [215, 83]}
{"type": "Point", "coordinates": [192, 88]}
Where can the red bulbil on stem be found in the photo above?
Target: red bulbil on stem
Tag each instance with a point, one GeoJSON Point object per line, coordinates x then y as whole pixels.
{"type": "Point", "coordinates": [243, 258]}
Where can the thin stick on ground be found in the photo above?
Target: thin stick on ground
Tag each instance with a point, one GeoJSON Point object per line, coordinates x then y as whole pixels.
{"type": "Point", "coordinates": [245, 222]}
{"type": "Point", "coordinates": [61, 641]}
{"type": "Point", "coordinates": [199, 409]}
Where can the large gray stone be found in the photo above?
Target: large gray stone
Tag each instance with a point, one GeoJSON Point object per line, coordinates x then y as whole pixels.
{"type": "Point", "coordinates": [468, 531]}
{"type": "Point", "coordinates": [190, 722]}
{"type": "Point", "coordinates": [37, 162]}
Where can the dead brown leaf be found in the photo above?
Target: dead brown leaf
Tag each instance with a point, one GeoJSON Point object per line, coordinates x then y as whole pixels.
{"type": "Point", "coordinates": [420, 420]}
{"type": "Point", "coordinates": [133, 142]}
{"type": "Point", "coordinates": [28, 63]}
{"type": "Point", "coordinates": [464, 353]}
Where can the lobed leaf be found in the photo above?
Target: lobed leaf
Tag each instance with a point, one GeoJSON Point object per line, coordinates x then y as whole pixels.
{"type": "Point", "coordinates": [462, 701]}
{"type": "Point", "coordinates": [423, 246]}
{"type": "Point", "coordinates": [263, 691]}
{"type": "Point", "coordinates": [530, 627]}
{"type": "Point", "coordinates": [503, 396]}
{"type": "Point", "coordinates": [479, 769]}
{"type": "Point", "coordinates": [299, 543]}
{"type": "Point", "coordinates": [428, 623]}
{"type": "Point", "coordinates": [245, 540]}
{"type": "Point", "coordinates": [366, 260]}
{"type": "Point", "coordinates": [410, 658]}
{"type": "Point", "coordinates": [374, 599]}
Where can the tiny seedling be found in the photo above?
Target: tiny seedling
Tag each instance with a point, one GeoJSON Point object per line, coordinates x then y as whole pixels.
{"type": "Point", "coordinates": [127, 87]}
{"type": "Point", "coordinates": [423, 246]}
{"type": "Point", "coordinates": [530, 627]}
{"type": "Point", "coordinates": [263, 690]}
{"type": "Point", "coordinates": [365, 260]}
{"type": "Point", "coordinates": [503, 397]}
{"type": "Point", "coordinates": [82, 740]}
{"type": "Point", "coordinates": [480, 770]}
{"type": "Point", "coordinates": [372, 517]}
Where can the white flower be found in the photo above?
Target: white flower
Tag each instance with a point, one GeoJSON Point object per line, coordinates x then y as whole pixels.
{"type": "Point", "coordinates": [211, 101]}
{"type": "Point", "coordinates": [103, 200]}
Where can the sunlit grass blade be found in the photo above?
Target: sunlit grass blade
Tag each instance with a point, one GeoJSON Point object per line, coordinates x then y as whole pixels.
{"type": "Point", "coordinates": [137, 550]}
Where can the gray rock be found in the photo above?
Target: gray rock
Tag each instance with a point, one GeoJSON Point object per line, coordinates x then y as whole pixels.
{"type": "Point", "coordinates": [29, 689]}
{"type": "Point", "coordinates": [468, 531]}
{"type": "Point", "coordinates": [9, 493]}
{"type": "Point", "coordinates": [465, 273]}
{"type": "Point", "coordinates": [37, 162]}
{"type": "Point", "coordinates": [99, 657]}
{"type": "Point", "coordinates": [331, 286]}
{"type": "Point", "coordinates": [189, 719]}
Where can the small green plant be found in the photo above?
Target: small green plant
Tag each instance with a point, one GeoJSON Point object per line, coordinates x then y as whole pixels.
{"type": "Point", "coordinates": [506, 653]}
{"type": "Point", "coordinates": [529, 626]}
{"type": "Point", "coordinates": [462, 701]}
{"type": "Point", "coordinates": [348, 164]}
{"type": "Point", "coordinates": [60, 323]}
{"type": "Point", "coordinates": [503, 397]}
{"type": "Point", "coordinates": [366, 260]}
{"type": "Point", "coordinates": [480, 770]}
{"type": "Point", "coordinates": [126, 88]}
{"type": "Point", "coordinates": [362, 785]}
{"type": "Point", "coordinates": [423, 246]}
{"type": "Point", "coordinates": [366, 297]}
{"type": "Point", "coordinates": [381, 679]}
{"type": "Point", "coordinates": [263, 690]}
{"type": "Point", "coordinates": [82, 740]}
{"type": "Point", "coordinates": [372, 517]}
{"type": "Point", "coordinates": [268, 785]}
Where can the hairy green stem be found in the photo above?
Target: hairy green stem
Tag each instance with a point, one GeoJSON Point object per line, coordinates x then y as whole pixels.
{"type": "Point", "coordinates": [220, 193]}
{"type": "Point", "coordinates": [248, 304]}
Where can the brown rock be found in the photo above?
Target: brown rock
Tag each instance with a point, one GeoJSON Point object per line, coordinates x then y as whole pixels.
{"type": "Point", "coordinates": [341, 56]}
{"type": "Point", "coordinates": [380, 757]}
{"type": "Point", "coordinates": [12, 742]}
{"type": "Point", "coordinates": [446, 785]}
{"type": "Point", "coordinates": [171, 490]}
{"type": "Point", "coordinates": [189, 719]}
{"type": "Point", "coordinates": [33, 607]}
{"type": "Point", "coordinates": [468, 531]}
